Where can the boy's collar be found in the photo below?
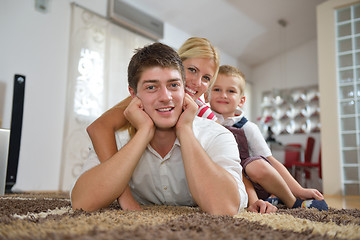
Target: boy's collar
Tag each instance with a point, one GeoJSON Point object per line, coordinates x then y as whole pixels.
{"type": "Point", "coordinates": [230, 120]}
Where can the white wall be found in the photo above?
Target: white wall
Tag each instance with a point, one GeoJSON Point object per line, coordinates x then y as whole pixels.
{"type": "Point", "coordinates": [36, 44]}
{"type": "Point", "coordinates": [300, 69]}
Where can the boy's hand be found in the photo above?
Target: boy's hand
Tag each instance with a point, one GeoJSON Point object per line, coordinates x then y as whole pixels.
{"type": "Point", "coordinates": [261, 206]}
{"type": "Point", "coordinates": [137, 117]}
{"type": "Point", "coordinates": [187, 116]}
{"type": "Point", "coordinates": [309, 193]}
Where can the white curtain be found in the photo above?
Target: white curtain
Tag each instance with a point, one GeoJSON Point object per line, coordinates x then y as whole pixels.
{"type": "Point", "coordinates": [98, 57]}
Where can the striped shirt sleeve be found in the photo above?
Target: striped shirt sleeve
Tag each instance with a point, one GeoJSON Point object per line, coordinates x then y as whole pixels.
{"type": "Point", "coordinates": [204, 110]}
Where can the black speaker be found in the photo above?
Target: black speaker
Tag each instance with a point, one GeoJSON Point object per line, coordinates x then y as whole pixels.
{"type": "Point", "coordinates": [15, 131]}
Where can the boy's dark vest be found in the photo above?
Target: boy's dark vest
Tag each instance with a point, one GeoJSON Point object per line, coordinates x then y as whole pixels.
{"type": "Point", "coordinates": [238, 131]}
{"type": "Point", "coordinates": [240, 137]}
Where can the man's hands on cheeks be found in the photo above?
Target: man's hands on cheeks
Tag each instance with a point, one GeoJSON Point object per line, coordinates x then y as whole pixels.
{"type": "Point", "coordinates": [187, 116]}
{"type": "Point", "coordinates": [261, 206]}
{"type": "Point", "coordinates": [138, 118]}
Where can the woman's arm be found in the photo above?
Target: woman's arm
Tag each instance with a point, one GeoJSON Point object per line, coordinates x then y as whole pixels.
{"type": "Point", "coordinates": [102, 130]}
{"type": "Point", "coordinates": [102, 134]}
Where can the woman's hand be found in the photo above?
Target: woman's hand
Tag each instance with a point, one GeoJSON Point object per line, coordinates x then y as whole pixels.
{"type": "Point", "coordinates": [261, 206]}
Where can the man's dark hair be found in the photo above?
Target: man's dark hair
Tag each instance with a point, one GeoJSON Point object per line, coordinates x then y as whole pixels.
{"type": "Point", "coordinates": [153, 55]}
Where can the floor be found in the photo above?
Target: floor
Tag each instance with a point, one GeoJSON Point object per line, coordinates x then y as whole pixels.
{"type": "Point", "coordinates": [334, 201]}
{"type": "Point", "coordinates": [340, 202]}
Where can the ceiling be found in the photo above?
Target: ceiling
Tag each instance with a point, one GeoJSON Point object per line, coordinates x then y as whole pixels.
{"type": "Point", "coordinates": [247, 30]}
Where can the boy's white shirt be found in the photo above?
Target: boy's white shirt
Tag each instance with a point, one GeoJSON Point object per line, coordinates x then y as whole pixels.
{"type": "Point", "coordinates": [256, 142]}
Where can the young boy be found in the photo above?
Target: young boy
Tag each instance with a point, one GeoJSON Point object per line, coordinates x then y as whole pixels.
{"type": "Point", "coordinates": [174, 157]}
{"type": "Point", "coordinates": [264, 175]}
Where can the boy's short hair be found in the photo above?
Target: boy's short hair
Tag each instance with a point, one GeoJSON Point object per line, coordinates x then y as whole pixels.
{"type": "Point", "coordinates": [228, 70]}
{"type": "Point", "coordinates": [153, 55]}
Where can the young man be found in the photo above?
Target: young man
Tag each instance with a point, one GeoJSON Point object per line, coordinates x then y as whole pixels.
{"type": "Point", "coordinates": [174, 157]}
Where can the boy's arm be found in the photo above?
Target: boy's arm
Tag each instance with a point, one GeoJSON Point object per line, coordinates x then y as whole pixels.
{"type": "Point", "coordinates": [295, 187]}
{"type": "Point", "coordinates": [101, 185]}
{"type": "Point", "coordinates": [258, 139]}
{"type": "Point", "coordinates": [102, 130]}
{"type": "Point", "coordinates": [212, 187]}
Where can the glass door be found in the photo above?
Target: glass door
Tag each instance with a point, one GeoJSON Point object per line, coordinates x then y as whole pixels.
{"type": "Point", "coordinates": [348, 75]}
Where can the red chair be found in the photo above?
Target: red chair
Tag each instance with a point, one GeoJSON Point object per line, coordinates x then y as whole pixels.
{"type": "Point", "coordinates": [307, 165]}
{"type": "Point", "coordinates": [319, 162]}
{"type": "Point", "coordinates": [292, 155]}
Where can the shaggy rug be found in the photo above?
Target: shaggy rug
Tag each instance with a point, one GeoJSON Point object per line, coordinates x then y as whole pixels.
{"type": "Point", "coordinates": [49, 216]}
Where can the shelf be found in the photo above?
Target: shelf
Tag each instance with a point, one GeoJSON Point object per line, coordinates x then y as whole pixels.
{"type": "Point", "coordinates": [289, 111]}
{"type": "Point", "coordinates": [351, 165]}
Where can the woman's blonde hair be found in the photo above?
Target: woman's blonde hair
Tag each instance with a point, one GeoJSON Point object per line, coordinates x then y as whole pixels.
{"type": "Point", "coordinates": [196, 47]}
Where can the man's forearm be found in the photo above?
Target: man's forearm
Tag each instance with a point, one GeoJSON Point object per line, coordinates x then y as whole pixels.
{"type": "Point", "coordinates": [101, 185]}
{"type": "Point", "coordinates": [213, 188]}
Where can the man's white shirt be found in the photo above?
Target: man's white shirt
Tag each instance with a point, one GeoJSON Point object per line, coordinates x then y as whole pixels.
{"type": "Point", "coordinates": [162, 181]}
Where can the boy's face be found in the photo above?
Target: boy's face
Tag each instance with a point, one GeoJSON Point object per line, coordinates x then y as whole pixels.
{"type": "Point", "coordinates": [161, 92]}
{"type": "Point", "coordinates": [226, 95]}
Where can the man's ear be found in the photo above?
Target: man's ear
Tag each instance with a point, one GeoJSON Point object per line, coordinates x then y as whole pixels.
{"type": "Point", "coordinates": [132, 92]}
{"type": "Point", "coordinates": [242, 102]}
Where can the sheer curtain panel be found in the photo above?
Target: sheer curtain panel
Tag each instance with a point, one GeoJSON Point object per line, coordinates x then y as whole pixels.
{"type": "Point", "coordinates": [97, 79]}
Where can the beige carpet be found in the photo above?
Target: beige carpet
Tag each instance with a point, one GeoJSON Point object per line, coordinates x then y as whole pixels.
{"type": "Point", "coordinates": [49, 216]}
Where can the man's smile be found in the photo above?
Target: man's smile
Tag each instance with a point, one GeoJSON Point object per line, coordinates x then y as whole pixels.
{"type": "Point", "coordinates": [168, 109]}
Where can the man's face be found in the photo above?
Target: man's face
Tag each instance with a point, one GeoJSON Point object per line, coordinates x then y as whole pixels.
{"type": "Point", "coordinates": [161, 92]}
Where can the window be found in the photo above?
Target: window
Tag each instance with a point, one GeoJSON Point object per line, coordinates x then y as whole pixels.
{"type": "Point", "coordinates": [348, 80]}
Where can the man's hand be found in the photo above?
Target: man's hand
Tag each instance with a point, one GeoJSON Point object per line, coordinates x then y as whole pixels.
{"type": "Point", "coordinates": [261, 206]}
{"type": "Point", "coordinates": [137, 117]}
{"type": "Point", "coordinates": [187, 116]}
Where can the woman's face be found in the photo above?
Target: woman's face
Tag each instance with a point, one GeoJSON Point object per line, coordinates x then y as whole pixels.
{"type": "Point", "coordinates": [198, 74]}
